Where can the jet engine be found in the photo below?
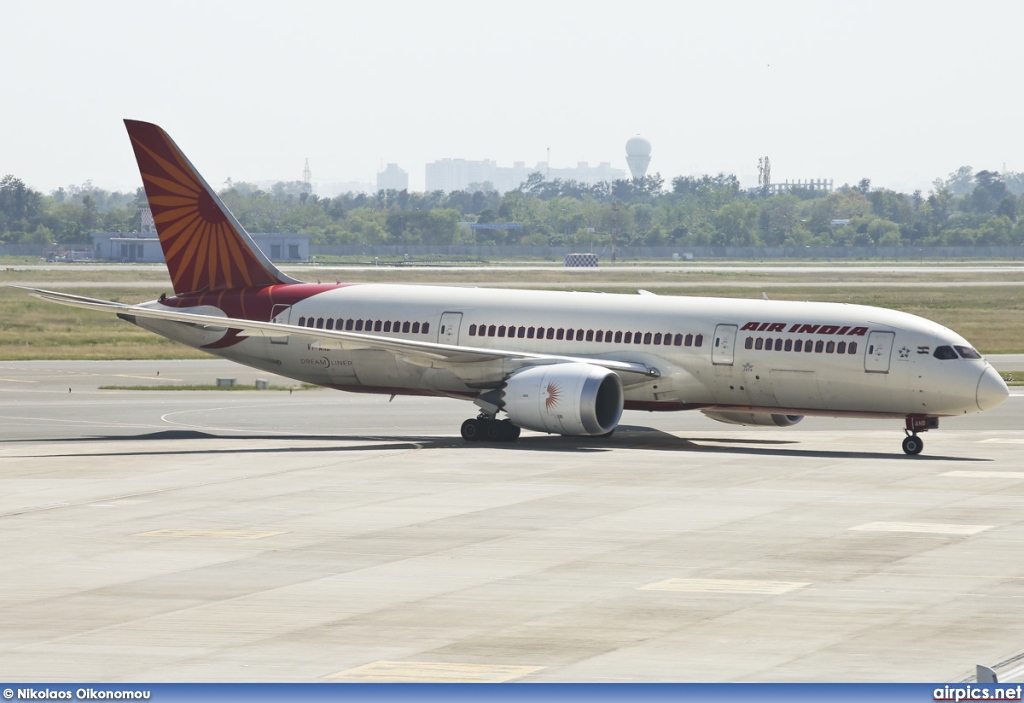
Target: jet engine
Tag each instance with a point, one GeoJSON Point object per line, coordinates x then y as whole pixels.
{"type": "Point", "coordinates": [567, 399]}
{"type": "Point", "coordinates": [764, 419]}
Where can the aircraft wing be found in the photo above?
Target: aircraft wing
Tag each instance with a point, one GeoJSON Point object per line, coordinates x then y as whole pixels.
{"type": "Point", "coordinates": [423, 353]}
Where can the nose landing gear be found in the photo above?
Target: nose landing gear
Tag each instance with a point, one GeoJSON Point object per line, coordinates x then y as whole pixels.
{"type": "Point", "coordinates": [917, 423]}
{"type": "Point", "coordinates": [913, 444]}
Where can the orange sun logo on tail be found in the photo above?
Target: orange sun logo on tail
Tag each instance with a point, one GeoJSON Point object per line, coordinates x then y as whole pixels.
{"type": "Point", "coordinates": [205, 248]}
{"type": "Point", "coordinates": [552, 400]}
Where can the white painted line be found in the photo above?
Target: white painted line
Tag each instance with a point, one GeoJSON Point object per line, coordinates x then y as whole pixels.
{"type": "Point", "coordinates": [433, 672]}
{"type": "Point", "coordinates": [1001, 440]}
{"type": "Point", "coordinates": [923, 527]}
{"type": "Point", "coordinates": [219, 534]}
{"type": "Point", "coordinates": [984, 474]}
{"type": "Point", "coordinates": [773, 588]}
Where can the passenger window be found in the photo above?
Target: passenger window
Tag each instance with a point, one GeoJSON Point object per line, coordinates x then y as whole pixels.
{"type": "Point", "coordinates": [491, 331]}
{"type": "Point", "coordinates": [359, 325]}
{"type": "Point", "coordinates": [529, 332]}
{"type": "Point", "coordinates": [852, 349]}
{"type": "Point", "coordinates": [348, 324]}
{"type": "Point", "coordinates": [608, 336]}
{"type": "Point", "coordinates": [678, 340]}
{"type": "Point", "coordinates": [657, 338]}
{"type": "Point", "coordinates": [377, 325]}
{"type": "Point", "coordinates": [698, 341]}
{"type": "Point", "coordinates": [628, 339]}
{"type": "Point", "coordinates": [758, 343]}
{"type": "Point", "coordinates": [841, 348]}
{"type": "Point", "coordinates": [618, 336]}
{"type": "Point", "coordinates": [551, 333]}
{"type": "Point", "coordinates": [522, 332]}
{"type": "Point", "coordinates": [636, 337]}
{"type": "Point", "coordinates": [819, 345]}
{"type": "Point", "coordinates": [830, 347]}
{"type": "Point", "coordinates": [415, 328]}
{"type": "Point", "coordinates": [330, 323]}
{"type": "Point", "coordinates": [768, 344]}
{"type": "Point", "coordinates": [599, 337]}
{"type": "Point", "coordinates": [967, 352]}
{"type": "Point", "coordinates": [789, 345]}
{"type": "Point", "coordinates": [319, 323]}
{"type": "Point", "coordinates": [689, 340]}
{"type": "Point", "coordinates": [798, 345]}
{"type": "Point", "coordinates": [501, 331]}
{"type": "Point", "coordinates": [405, 327]}
{"type": "Point", "coordinates": [426, 328]}
{"type": "Point", "coordinates": [590, 335]}
{"type": "Point", "coordinates": [809, 346]}
{"type": "Point", "coordinates": [944, 353]}
{"type": "Point", "coordinates": [560, 334]}
{"type": "Point", "coordinates": [749, 343]}
{"type": "Point", "coordinates": [647, 338]}
{"type": "Point", "coordinates": [302, 321]}
{"type": "Point", "coordinates": [472, 330]}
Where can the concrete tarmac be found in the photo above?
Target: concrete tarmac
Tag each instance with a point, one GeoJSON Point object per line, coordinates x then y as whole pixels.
{"type": "Point", "coordinates": [324, 536]}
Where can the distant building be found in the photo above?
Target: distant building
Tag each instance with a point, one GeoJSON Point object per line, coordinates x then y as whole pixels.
{"type": "Point", "coordinates": [145, 247]}
{"type": "Point", "coordinates": [820, 184]}
{"type": "Point", "coordinates": [392, 178]}
{"type": "Point", "coordinates": [461, 174]}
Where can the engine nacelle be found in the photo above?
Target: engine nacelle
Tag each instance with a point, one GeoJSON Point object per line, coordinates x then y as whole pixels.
{"type": "Point", "coordinates": [566, 399]}
{"type": "Point", "coordinates": [763, 419]}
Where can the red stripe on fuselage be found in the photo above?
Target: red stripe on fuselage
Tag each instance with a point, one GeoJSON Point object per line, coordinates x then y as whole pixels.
{"type": "Point", "coordinates": [255, 303]}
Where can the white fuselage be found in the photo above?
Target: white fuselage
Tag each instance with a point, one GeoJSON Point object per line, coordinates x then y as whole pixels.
{"type": "Point", "coordinates": [722, 353]}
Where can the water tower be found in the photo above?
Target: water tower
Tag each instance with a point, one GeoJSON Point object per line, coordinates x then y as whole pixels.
{"type": "Point", "coordinates": [638, 156]}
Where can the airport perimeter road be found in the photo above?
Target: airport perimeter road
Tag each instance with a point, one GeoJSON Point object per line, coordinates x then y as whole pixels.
{"type": "Point", "coordinates": [322, 536]}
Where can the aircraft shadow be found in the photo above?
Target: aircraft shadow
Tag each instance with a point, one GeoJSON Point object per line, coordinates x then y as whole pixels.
{"type": "Point", "coordinates": [625, 437]}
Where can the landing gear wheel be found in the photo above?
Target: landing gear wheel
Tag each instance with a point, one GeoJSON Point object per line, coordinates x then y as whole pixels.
{"type": "Point", "coordinates": [471, 431]}
{"type": "Point", "coordinates": [913, 445]}
{"type": "Point", "coordinates": [509, 432]}
{"type": "Point", "coordinates": [493, 431]}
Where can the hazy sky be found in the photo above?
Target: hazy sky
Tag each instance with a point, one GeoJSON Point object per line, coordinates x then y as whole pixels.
{"type": "Point", "coordinates": [899, 92]}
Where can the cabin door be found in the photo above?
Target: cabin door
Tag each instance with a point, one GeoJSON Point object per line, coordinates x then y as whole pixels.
{"type": "Point", "coordinates": [722, 347]}
{"type": "Point", "coordinates": [878, 351]}
{"type": "Point", "coordinates": [280, 314]}
{"type": "Point", "coordinates": [448, 330]}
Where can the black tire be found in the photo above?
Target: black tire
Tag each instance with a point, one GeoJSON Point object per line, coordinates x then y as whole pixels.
{"type": "Point", "coordinates": [471, 431]}
{"type": "Point", "coordinates": [493, 431]}
{"type": "Point", "coordinates": [509, 432]}
{"type": "Point", "coordinates": [913, 445]}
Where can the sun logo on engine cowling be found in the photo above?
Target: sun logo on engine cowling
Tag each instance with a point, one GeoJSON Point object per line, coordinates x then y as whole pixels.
{"type": "Point", "coordinates": [552, 400]}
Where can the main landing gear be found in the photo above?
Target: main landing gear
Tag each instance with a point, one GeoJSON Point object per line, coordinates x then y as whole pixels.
{"type": "Point", "coordinates": [916, 423]}
{"type": "Point", "coordinates": [487, 429]}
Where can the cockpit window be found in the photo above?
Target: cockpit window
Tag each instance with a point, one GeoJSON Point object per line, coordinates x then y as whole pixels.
{"type": "Point", "coordinates": [944, 353]}
{"type": "Point", "coordinates": [967, 352]}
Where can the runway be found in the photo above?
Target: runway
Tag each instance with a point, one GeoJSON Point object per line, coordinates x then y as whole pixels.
{"type": "Point", "coordinates": [320, 536]}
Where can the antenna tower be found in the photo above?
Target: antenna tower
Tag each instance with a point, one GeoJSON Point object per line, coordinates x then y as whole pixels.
{"type": "Point", "coordinates": [307, 178]}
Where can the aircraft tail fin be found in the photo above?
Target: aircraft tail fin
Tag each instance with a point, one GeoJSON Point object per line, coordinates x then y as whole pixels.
{"type": "Point", "coordinates": [205, 247]}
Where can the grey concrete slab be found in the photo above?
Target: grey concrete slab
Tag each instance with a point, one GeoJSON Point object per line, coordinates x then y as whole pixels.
{"type": "Point", "coordinates": [259, 536]}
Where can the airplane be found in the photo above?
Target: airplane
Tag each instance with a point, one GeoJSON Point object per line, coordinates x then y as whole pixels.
{"type": "Point", "coordinates": [566, 363]}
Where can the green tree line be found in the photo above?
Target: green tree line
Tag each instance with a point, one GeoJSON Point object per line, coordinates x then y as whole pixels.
{"type": "Point", "coordinates": [966, 208]}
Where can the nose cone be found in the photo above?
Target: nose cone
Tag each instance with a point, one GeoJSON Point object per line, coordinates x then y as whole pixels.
{"type": "Point", "coordinates": [992, 391]}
